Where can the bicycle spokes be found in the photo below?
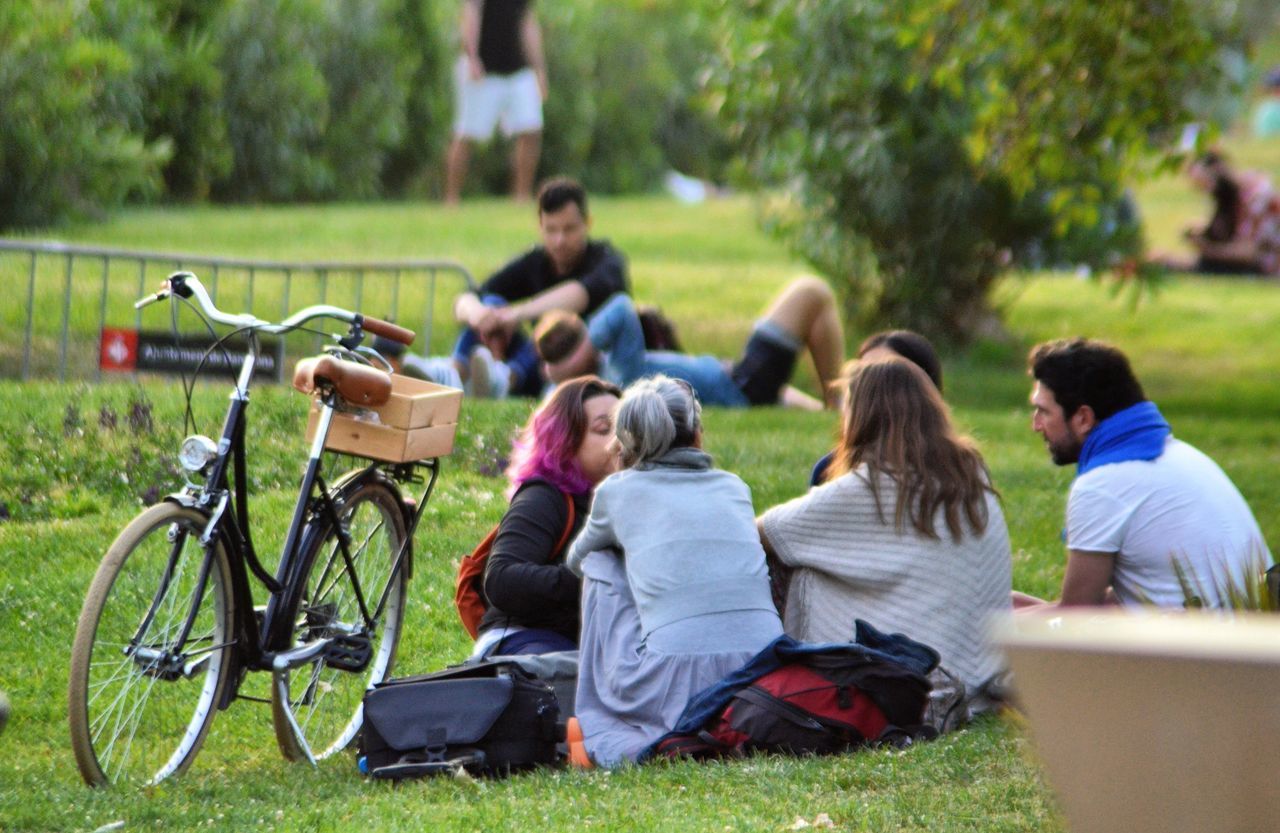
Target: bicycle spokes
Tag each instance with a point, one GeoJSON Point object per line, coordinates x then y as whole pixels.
{"type": "Point", "coordinates": [148, 665]}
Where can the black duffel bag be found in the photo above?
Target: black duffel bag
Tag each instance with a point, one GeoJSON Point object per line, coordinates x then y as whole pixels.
{"type": "Point", "coordinates": [489, 718]}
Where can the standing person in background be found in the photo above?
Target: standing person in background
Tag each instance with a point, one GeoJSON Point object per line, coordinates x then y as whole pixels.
{"type": "Point", "coordinates": [501, 77]}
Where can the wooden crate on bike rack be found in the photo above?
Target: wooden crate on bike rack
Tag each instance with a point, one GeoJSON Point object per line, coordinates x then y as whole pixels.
{"type": "Point", "coordinates": [418, 422]}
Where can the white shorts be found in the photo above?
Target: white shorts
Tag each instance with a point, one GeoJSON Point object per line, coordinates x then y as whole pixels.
{"type": "Point", "coordinates": [514, 101]}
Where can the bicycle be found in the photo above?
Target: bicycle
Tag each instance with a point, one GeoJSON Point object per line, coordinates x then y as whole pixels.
{"type": "Point", "coordinates": [169, 628]}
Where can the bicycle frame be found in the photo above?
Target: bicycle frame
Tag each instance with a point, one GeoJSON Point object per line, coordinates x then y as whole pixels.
{"type": "Point", "coordinates": [264, 640]}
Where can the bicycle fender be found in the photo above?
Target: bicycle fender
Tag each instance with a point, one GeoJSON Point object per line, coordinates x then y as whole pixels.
{"type": "Point", "coordinates": [359, 476]}
{"type": "Point", "coordinates": [184, 500]}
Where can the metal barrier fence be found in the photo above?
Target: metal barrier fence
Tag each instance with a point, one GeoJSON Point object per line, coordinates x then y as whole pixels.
{"type": "Point", "coordinates": [73, 292]}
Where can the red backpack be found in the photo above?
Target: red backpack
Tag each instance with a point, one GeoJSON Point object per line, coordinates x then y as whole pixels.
{"type": "Point", "coordinates": [468, 591]}
{"type": "Point", "coordinates": [820, 704]}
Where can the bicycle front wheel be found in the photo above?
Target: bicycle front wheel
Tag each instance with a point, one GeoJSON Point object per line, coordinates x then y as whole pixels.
{"type": "Point", "coordinates": [356, 597]}
{"type": "Point", "coordinates": [151, 654]}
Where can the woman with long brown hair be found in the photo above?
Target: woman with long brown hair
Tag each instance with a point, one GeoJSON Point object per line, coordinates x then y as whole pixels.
{"type": "Point", "coordinates": [905, 531]}
{"type": "Point", "coordinates": [908, 344]}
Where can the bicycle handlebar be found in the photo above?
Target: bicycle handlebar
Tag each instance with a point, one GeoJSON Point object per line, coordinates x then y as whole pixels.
{"type": "Point", "coordinates": [388, 330]}
{"type": "Point", "coordinates": [187, 285]}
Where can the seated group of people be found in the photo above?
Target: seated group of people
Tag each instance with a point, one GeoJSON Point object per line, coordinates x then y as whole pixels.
{"type": "Point", "coordinates": [667, 579]}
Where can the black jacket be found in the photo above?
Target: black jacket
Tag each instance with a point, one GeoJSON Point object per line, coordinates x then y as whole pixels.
{"type": "Point", "coordinates": [602, 271]}
{"type": "Point", "coordinates": [525, 581]}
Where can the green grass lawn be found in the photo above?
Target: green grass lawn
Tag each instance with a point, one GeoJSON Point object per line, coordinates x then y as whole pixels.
{"type": "Point", "coordinates": [80, 459]}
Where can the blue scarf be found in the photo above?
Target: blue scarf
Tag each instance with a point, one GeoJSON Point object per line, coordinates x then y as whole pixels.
{"type": "Point", "coordinates": [1136, 433]}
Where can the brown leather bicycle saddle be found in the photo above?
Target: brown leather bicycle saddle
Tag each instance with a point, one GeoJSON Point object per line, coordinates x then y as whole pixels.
{"type": "Point", "coordinates": [356, 383]}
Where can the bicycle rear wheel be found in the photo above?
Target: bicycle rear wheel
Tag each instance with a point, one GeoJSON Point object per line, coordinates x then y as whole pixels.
{"type": "Point", "coordinates": [323, 700]}
{"type": "Point", "coordinates": [141, 698]}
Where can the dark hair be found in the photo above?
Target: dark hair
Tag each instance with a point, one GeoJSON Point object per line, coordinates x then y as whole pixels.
{"type": "Point", "coordinates": [659, 331]}
{"type": "Point", "coordinates": [1080, 371]}
{"type": "Point", "coordinates": [1212, 159]}
{"type": "Point", "coordinates": [912, 346]}
{"type": "Point", "coordinates": [557, 335]}
{"type": "Point", "coordinates": [1225, 190]}
{"type": "Point", "coordinates": [387, 347]}
{"type": "Point", "coordinates": [556, 193]}
{"type": "Point", "coordinates": [896, 424]}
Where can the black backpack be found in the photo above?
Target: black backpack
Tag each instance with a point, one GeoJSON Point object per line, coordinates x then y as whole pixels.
{"type": "Point", "coordinates": [819, 703]}
{"type": "Point", "coordinates": [489, 718]}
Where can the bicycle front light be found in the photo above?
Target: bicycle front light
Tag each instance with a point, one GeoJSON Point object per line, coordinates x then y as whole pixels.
{"type": "Point", "coordinates": [197, 453]}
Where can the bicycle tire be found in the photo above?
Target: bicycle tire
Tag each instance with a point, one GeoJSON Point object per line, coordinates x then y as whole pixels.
{"type": "Point", "coordinates": [144, 717]}
{"type": "Point", "coordinates": [326, 702]}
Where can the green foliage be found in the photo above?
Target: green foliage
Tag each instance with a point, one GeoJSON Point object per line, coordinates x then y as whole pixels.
{"type": "Point", "coordinates": [924, 145]}
{"type": "Point", "coordinates": [362, 64]}
{"type": "Point", "coordinates": [275, 97]}
{"type": "Point", "coordinates": [184, 99]}
{"type": "Point", "coordinates": [263, 101]}
{"type": "Point", "coordinates": [623, 105]}
{"type": "Point", "coordinates": [414, 164]}
{"type": "Point", "coordinates": [314, 92]}
{"type": "Point", "coordinates": [70, 107]}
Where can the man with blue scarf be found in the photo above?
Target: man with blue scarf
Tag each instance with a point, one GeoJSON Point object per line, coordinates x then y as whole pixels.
{"type": "Point", "coordinates": [1150, 519]}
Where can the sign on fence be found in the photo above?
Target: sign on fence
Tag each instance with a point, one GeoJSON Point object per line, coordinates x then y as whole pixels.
{"type": "Point", "coordinates": [127, 351]}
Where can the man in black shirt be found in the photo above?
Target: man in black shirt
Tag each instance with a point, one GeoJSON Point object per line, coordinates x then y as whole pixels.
{"type": "Point", "coordinates": [501, 77]}
{"type": "Point", "coordinates": [569, 271]}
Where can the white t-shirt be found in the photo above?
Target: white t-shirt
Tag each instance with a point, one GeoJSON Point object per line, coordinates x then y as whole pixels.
{"type": "Point", "coordinates": [1148, 513]}
{"type": "Point", "coordinates": [850, 564]}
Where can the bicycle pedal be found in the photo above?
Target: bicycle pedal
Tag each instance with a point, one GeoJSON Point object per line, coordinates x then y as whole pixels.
{"type": "Point", "coordinates": [351, 652]}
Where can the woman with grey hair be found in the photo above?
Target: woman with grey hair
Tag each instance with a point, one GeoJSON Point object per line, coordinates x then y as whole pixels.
{"type": "Point", "coordinates": [675, 591]}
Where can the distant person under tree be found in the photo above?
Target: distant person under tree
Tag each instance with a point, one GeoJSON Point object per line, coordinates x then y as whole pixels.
{"type": "Point", "coordinates": [1242, 236]}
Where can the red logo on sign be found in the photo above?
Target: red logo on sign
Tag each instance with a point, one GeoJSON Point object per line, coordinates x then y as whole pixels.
{"type": "Point", "coordinates": [119, 349]}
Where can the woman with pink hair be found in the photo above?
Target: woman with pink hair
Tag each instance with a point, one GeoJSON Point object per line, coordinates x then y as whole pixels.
{"type": "Point", "coordinates": [561, 454]}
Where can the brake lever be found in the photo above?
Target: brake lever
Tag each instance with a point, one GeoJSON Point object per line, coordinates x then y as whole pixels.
{"type": "Point", "coordinates": [151, 299]}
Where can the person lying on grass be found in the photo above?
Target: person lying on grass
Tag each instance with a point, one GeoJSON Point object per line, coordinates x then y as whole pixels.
{"type": "Point", "coordinates": [905, 531]}
{"type": "Point", "coordinates": [611, 343]}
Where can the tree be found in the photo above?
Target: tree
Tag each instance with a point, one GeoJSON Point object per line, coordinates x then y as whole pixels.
{"type": "Point", "coordinates": [921, 147]}
{"type": "Point", "coordinates": [69, 97]}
